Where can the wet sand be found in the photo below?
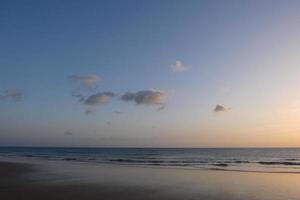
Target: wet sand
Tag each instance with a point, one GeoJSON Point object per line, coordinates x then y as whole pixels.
{"type": "Point", "coordinates": [8, 169]}
{"type": "Point", "coordinates": [63, 180]}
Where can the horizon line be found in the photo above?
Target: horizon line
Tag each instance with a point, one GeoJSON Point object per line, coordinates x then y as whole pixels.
{"type": "Point", "coordinates": [132, 147]}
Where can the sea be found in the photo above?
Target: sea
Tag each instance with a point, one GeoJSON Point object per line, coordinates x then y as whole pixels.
{"type": "Point", "coordinates": [273, 160]}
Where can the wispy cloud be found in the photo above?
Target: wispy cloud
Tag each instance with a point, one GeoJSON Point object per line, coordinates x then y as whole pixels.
{"type": "Point", "coordinates": [221, 108]}
{"type": "Point", "coordinates": [147, 97]}
{"type": "Point", "coordinates": [179, 66]}
{"type": "Point", "coordinates": [90, 111]}
{"type": "Point", "coordinates": [12, 95]}
{"type": "Point", "coordinates": [81, 94]}
{"type": "Point", "coordinates": [78, 95]}
{"type": "Point", "coordinates": [86, 80]}
{"type": "Point", "coordinates": [117, 112]}
{"type": "Point", "coordinates": [68, 133]}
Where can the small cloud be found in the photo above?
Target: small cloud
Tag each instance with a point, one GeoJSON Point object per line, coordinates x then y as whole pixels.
{"type": "Point", "coordinates": [68, 133]}
{"type": "Point", "coordinates": [179, 66]}
{"type": "Point", "coordinates": [81, 94]}
{"type": "Point", "coordinates": [77, 95]}
{"type": "Point", "coordinates": [86, 80]}
{"type": "Point", "coordinates": [221, 108]}
{"type": "Point", "coordinates": [12, 95]}
{"type": "Point", "coordinates": [147, 97]}
{"type": "Point", "coordinates": [117, 112]}
{"type": "Point", "coordinates": [99, 98]}
{"type": "Point", "coordinates": [90, 111]}
{"type": "Point", "coordinates": [162, 107]}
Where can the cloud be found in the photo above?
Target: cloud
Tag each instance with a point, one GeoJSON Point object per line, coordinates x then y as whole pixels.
{"type": "Point", "coordinates": [93, 100]}
{"type": "Point", "coordinates": [12, 95]}
{"type": "Point", "coordinates": [77, 95]}
{"type": "Point", "coordinates": [68, 133]}
{"type": "Point", "coordinates": [147, 97]}
{"type": "Point", "coordinates": [90, 111]}
{"type": "Point", "coordinates": [179, 66]}
{"type": "Point", "coordinates": [86, 80]}
{"type": "Point", "coordinates": [83, 95]}
{"type": "Point", "coordinates": [221, 108]}
{"type": "Point", "coordinates": [99, 98]}
{"type": "Point", "coordinates": [117, 112]}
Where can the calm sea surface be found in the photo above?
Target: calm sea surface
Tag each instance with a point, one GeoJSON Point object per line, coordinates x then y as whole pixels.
{"type": "Point", "coordinates": [285, 160]}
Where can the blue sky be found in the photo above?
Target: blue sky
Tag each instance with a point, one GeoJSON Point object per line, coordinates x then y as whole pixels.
{"type": "Point", "coordinates": [241, 55]}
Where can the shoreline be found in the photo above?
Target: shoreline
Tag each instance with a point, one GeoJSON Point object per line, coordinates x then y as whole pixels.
{"type": "Point", "coordinates": [238, 160]}
{"type": "Point", "coordinates": [271, 170]}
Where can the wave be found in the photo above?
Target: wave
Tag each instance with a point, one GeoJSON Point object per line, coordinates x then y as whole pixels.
{"type": "Point", "coordinates": [241, 161]}
{"type": "Point", "coordinates": [69, 159]}
{"type": "Point", "coordinates": [151, 160]}
{"type": "Point", "coordinates": [228, 159]}
{"type": "Point", "coordinates": [156, 162]}
{"type": "Point", "coordinates": [279, 163]}
{"type": "Point", "coordinates": [221, 165]}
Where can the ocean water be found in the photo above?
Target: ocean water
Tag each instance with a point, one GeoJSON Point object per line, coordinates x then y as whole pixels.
{"type": "Point", "coordinates": [280, 160]}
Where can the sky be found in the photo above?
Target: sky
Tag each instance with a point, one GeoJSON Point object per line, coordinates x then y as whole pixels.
{"type": "Point", "coordinates": [150, 73]}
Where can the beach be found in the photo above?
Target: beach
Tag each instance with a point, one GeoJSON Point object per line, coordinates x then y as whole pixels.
{"type": "Point", "coordinates": [73, 180]}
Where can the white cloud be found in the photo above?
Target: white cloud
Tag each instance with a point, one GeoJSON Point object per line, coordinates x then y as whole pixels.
{"type": "Point", "coordinates": [179, 66]}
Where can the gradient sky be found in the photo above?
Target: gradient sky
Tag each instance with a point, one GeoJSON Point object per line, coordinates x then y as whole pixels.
{"type": "Point", "coordinates": [230, 71]}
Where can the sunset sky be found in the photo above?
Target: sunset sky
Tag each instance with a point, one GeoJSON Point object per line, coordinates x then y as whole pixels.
{"type": "Point", "coordinates": [150, 73]}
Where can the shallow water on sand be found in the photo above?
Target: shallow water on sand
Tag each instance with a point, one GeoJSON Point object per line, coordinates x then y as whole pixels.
{"type": "Point", "coordinates": [165, 183]}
